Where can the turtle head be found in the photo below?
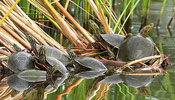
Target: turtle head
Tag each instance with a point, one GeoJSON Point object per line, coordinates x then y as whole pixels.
{"type": "Point", "coordinates": [92, 25]}
{"type": "Point", "coordinates": [42, 55]}
{"type": "Point", "coordinates": [16, 47]}
{"type": "Point", "coordinates": [32, 42]}
{"type": "Point", "coordinates": [145, 30]}
{"type": "Point", "coordinates": [71, 53]}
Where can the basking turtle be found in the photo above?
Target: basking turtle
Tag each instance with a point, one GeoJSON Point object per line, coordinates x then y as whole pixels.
{"type": "Point", "coordinates": [110, 41]}
{"type": "Point", "coordinates": [20, 60]}
{"type": "Point", "coordinates": [50, 62]}
{"type": "Point", "coordinates": [53, 66]}
{"type": "Point", "coordinates": [49, 51]}
{"type": "Point", "coordinates": [137, 46]}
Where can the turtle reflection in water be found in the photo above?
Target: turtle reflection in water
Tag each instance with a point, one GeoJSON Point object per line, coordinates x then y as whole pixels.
{"type": "Point", "coordinates": [140, 82]}
{"type": "Point", "coordinates": [54, 67]}
{"type": "Point", "coordinates": [85, 67]}
{"type": "Point", "coordinates": [137, 46]}
{"type": "Point", "coordinates": [27, 78]}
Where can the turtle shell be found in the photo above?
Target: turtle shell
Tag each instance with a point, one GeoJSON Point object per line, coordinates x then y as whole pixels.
{"type": "Point", "coordinates": [114, 40]}
{"type": "Point", "coordinates": [96, 67]}
{"type": "Point", "coordinates": [135, 47]}
{"type": "Point", "coordinates": [91, 63]}
{"type": "Point", "coordinates": [55, 53]}
{"type": "Point", "coordinates": [20, 61]}
{"type": "Point", "coordinates": [32, 75]}
{"type": "Point", "coordinates": [16, 83]}
{"type": "Point", "coordinates": [61, 67]}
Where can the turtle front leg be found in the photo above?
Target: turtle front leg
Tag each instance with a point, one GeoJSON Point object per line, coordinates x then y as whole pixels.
{"type": "Point", "coordinates": [110, 53]}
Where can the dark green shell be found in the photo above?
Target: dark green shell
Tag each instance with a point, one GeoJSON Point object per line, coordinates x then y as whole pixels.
{"type": "Point", "coordinates": [20, 61]}
{"type": "Point", "coordinates": [135, 47]}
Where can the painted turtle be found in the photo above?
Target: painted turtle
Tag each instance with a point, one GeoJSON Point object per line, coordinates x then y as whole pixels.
{"type": "Point", "coordinates": [53, 66]}
{"type": "Point", "coordinates": [49, 51]}
{"type": "Point", "coordinates": [50, 62]}
{"type": "Point", "coordinates": [20, 61]}
{"type": "Point", "coordinates": [137, 46]}
{"type": "Point", "coordinates": [110, 41]}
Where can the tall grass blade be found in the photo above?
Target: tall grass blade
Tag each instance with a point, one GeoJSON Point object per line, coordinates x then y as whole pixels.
{"type": "Point", "coordinates": [132, 9]}
{"type": "Point", "coordinates": [161, 13]}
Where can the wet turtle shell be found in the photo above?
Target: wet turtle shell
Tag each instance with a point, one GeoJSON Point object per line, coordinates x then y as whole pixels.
{"type": "Point", "coordinates": [16, 83]}
{"type": "Point", "coordinates": [96, 68]}
{"type": "Point", "coordinates": [55, 53]}
{"type": "Point", "coordinates": [91, 63]}
{"type": "Point", "coordinates": [32, 75]}
{"type": "Point", "coordinates": [20, 61]}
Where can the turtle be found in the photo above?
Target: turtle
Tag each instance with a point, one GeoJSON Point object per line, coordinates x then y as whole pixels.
{"type": "Point", "coordinates": [137, 46]}
{"type": "Point", "coordinates": [86, 67]}
{"type": "Point", "coordinates": [49, 62]}
{"type": "Point", "coordinates": [20, 60]}
{"type": "Point", "coordinates": [50, 51]}
{"type": "Point", "coordinates": [53, 66]}
{"type": "Point", "coordinates": [111, 41]}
